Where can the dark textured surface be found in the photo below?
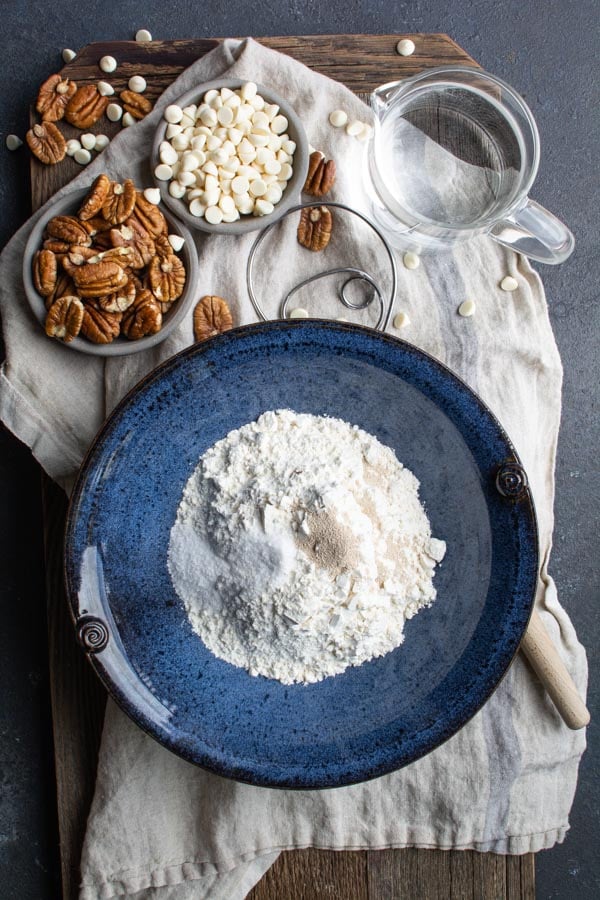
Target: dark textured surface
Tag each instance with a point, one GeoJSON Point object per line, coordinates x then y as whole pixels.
{"type": "Point", "coordinates": [370, 719]}
{"type": "Point", "coordinates": [548, 51]}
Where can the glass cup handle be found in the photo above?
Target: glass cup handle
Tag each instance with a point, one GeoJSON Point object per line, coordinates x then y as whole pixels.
{"type": "Point", "coordinates": [536, 233]}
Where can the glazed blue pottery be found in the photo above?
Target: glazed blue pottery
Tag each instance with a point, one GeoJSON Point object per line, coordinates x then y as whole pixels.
{"type": "Point", "coordinates": [373, 718]}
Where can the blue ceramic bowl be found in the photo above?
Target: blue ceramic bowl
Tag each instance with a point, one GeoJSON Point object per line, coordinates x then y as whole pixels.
{"type": "Point", "coordinates": [371, 719]}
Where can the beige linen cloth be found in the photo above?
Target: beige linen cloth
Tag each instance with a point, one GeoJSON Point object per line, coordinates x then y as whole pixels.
{"type": "Point", "coordinates": [160, 828]}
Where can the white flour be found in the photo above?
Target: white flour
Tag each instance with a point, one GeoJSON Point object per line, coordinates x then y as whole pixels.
{"type": "Point", "coordinates": [300, 547]}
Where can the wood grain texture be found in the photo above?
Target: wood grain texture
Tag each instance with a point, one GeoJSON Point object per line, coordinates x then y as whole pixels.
{"type": "Point", "coordinates": [361, 62]}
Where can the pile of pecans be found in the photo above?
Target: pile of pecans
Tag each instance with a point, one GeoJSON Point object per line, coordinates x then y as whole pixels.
{"type": "Point", "coordinates": [109, 270]}
{"type": "Point", "coordinates": [82, 107]}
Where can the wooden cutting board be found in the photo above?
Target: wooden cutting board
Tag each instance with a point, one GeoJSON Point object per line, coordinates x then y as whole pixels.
{"type": "Point", "coordinates": [361, 62]}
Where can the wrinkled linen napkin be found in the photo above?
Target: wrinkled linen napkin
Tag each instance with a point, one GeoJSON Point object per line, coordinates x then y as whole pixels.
{"type": "Point", "coordinates": [161, 828]}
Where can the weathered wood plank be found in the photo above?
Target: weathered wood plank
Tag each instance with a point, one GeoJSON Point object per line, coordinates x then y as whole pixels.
{"type": "Point", "coordinates": [315, 875]}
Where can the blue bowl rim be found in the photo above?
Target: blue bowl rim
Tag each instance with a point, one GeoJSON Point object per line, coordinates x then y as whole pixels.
{"type": "Point", "coordinates": [247, 773]}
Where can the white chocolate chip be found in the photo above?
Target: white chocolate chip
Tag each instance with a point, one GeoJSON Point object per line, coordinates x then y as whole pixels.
{"type": "Point", "coordinates": [466, 308]}
{"type": "Point", "coordinates": [186, 178]}
{"type": "Point", "coordinates": [279, 124]}
{"type": "Point", "coordinates": [338, 118]}
{"type": "Point", "coordinates": [173, 114]}
{"type": "Point", "coordinates": [176, 190]}
{"type": "Point", "coordinates": [114, 112]}
{"type": "Point", "coordinates": [13, 141]}
{"type": "Point", "coordinates": [197, 208]}
{"type": "Point", "coordinates": [401, 320]}
{"type": "Point", "coordinates": [68, 55]}
{"type": "Point", "coordinates": [262, 207]}
{"type": "Point", "coordinates": [405, 47]}
{"type": "Point", "coordinates": [509, 283]}
{"type": "Point", "coordinates": [167, 153]}
{"type": "Point", "coordinates": [240, 185]}
{"type": "Point", "coordinates": [248, 90]}
{"type": "Point", "coordinates": [411, 260]}
{"type": "Point", "coordinates": [105, 89]}
{"type": "Point", "coordinates": [108, 64]}
{"type": "Point", "coordinates": [227, 205]}
{"type": "Point", "coordinates": [288, 147]}
{"type": "Point", "coordinates": [286, 172]}
{"type": "Point", "coordinates": [354, 128]}
{"type": "Point", "coordinates": [163, 172]}
{"type": "Point", "coordinates": [257, 188]}
{"type": "Point", "coordinates": [143, 36]}
{"type": "Point", "coordinates": [72, 146]}
{"type": "Point", "coordinates": [225, 115]}
{"type": "Point", "coordinates": [128, 120]}
{"type": "Point", "coordinates": [102, 141]}
{"type": "Point", "coordinates": [365, 134]}
{"type": "Point", "coordinates": [274, 194]}
{"type": "Point", "coordinates": [176, 242]}
{"type": "Point", "coordinates": [298, 313]}
{"type": "Point", "coordinates": [137, 84]}
{"type": "Point", "coordinates": [213, 215]}
{"type": "Point", "coordinates": [152, 195]}
{"type": "Point", "coordinates": [82, 156]}
{"type": "Point", "coordinates": [172, 129]}
{"type": "Point", "coordinates": [88, 140]}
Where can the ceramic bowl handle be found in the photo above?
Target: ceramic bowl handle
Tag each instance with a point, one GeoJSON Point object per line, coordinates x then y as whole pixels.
{"type": "Point", "coordinates": [539, 649]}
{"type": "Point", "coordinates": [536, 233]}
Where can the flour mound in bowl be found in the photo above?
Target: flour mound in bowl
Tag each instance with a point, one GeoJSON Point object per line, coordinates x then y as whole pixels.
{"type": "Point", "coordinates": [300, 547]}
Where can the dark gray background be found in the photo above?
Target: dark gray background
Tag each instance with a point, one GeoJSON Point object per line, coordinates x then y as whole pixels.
{"type": "Point", "coordinates": [549, 52]}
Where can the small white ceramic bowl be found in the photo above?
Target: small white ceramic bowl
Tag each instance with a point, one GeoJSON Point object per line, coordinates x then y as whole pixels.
{"type": "Point", "coordinates": [121, 346]}
{"type": "Point", "coordinates": [246, 223]}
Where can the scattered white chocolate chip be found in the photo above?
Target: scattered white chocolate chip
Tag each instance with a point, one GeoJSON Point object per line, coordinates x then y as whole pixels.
{"type": "Point", "coordinates": [72, 146]}
{"type": "Point", "coordinates": [68, 55]}
{"type": "Point", "coordinates": [405, 47]}
{"type": "Point", "coordinates": [466, 308]}
{"type": "Point", "coordinates": [176, 242]}
{"type": "Point", "coordinates": [354, 128]}
{"type": "Point", "coordinates": [173, 114]}
{"type": "Point", "coordinates": [13, 141]}
{"type": "Point", "coordinates": [163, 172]}
{"type": "Point", "coordinates": [411, 260]}
{"type": "Point", "coordinates": [88, 140]}
{"type": "Point", "coordinates": [102, 141]}
{"type": "Point", "coordinates": [137, 84]}
{"type": "Point", "coordinates": [338, 118]}
{"type": "Point", "coordinates": [108, 64]}
{"type": "Point", "coordinates": [152, 195]}
{"type": "Point", "coordinates": [143, 36]}
{"type": "Point", "coordinates": [298, 313]}
{"type": "Point", "coordinates": [105, 89]}
{"type": "Point", "coordinates": [82, 156]}
{"type": "Point", "coordinates": [401, 320]}
{"type": "Point", "coordinates": [128, 120]}
{"type": "Point", "coordinates": [509, 283]}
{"type": "Point", "coordinates": [114, 112]}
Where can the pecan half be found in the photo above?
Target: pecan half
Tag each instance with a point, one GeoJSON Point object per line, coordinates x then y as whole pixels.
{"type": "Point", "coordinates": [54, 96]}
{"type": "Point", "coordinates": [166, 278]}
{"type": "Point", "coordinates": [96, 197]}
{"type": "Point", "coordinates": [321, 175]}
{"type": "Point", "coordinates": [45, 272]}
{"type": "Point", "coordinates": [120, 300]}
{"type": "Point", "coordinates": [132, 235]}
{"type": "Point", "coordinates": [98, 279]}
{"type": "Point", "coordinates": [162, 246]}
{"type": "Point", "coordinates": [98, 225]}
{"type": "Point", "coordinates": [143, 317]}
{"type": "Point", "coordinates": [136, 105]}
{"type": "Point", "coordinates": [68, 229]}
{"type": "Point", "coordinates": [56, 246]}
{"type": "Point", "coordinates": [99, 326]}
{"type": "Point", "coordinates": [65, 286]}
{"type": "Point", "coordinates": [85, 107]}
{"type": "Point", "coordinates": [47, 143]}
{"type": "Point", "coordinates": [120, 202]}
{"type": "Point", "coordinates": [211, 316]}
{"type": "Point", "coordinates": [64, 318]}
{"type": "Point", "coordinates": [120, 255]}
{"type": "Point", "coordinates": [150, 216]}
{"type": "Point", "coordinates": [314, 228]}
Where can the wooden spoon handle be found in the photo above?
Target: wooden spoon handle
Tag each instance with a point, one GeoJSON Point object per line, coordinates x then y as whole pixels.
{"type": "Point", "coordinates": [539, 649]}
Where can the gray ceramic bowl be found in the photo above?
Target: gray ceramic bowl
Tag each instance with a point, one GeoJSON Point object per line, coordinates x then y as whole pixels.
{"type": "Point", "coordinates": [246, 223]}
{"type": "Point", "coordinates": [121, 346]}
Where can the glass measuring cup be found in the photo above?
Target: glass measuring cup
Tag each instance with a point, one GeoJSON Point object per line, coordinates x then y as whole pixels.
{"type": "Point", "coordinates": [454, 154]}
